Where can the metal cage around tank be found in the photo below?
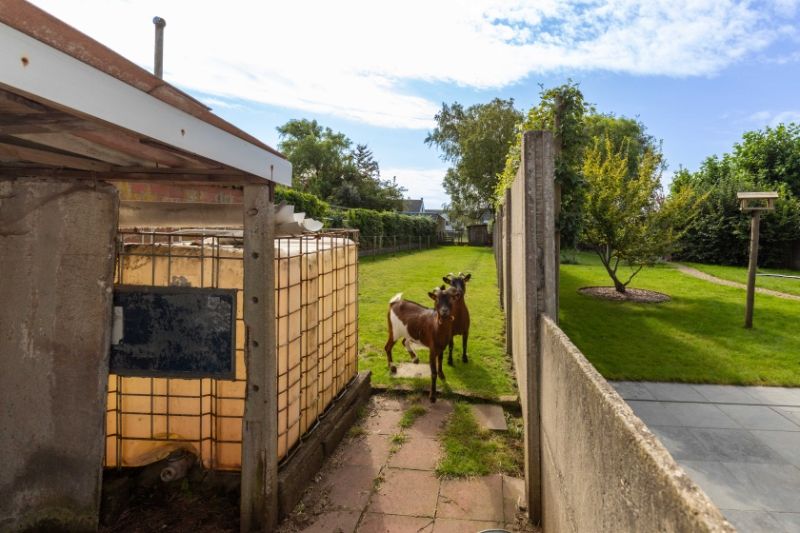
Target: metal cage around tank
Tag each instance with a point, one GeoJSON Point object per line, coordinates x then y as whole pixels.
{"type": "Point", "coordinates": [316, 318]}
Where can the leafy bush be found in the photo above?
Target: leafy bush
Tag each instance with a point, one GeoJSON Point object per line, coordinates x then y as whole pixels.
{"type": "Point", "coordinates": [367, 221]}
{"type": "Point", "coordinates": [304, 202]}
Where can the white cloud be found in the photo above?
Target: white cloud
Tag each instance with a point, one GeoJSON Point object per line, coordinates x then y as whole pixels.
{"type": "Point", "coordinates": [770, 118]}
{"type": "Point", "coordinates": [356, 58]}
{"type": "Point", "coordinates": [425, 183]}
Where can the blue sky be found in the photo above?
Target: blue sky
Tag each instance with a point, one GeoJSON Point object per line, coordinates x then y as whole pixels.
{"type": "Point", "coordinates": [697, 73]}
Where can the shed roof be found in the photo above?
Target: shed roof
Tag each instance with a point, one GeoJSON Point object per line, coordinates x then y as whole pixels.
{"type": "Point", "coordinates": [70, 106]}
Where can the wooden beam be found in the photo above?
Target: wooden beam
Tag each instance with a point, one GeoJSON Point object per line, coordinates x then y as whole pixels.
{"type": "Point", "coordinates": [259, 486]}
{"type": "Point", "coordinates": [176, 215]}
{"type": "Point", "coordinates": [82, 147]}
{"type": "Point", "coordinates": [40, 123]}
{"type": "Point", "coordinates": [33, 155]}
{"type": "Point", "coordinates": [152, 175]}
{"type": "Point", "coordinates": [129, 144]}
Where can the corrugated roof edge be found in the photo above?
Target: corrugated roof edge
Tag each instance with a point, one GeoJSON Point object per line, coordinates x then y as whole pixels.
{"type": "Point", "coordinates": [44, 27]}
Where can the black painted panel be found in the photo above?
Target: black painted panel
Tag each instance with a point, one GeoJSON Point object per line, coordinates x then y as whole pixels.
{"type": "Point", "coordinates": [174, 332]}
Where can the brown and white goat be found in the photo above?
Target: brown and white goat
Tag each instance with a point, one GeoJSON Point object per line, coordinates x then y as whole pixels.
{"type": "Point", "coordinates": [420, 326]}
{"type": "Point", "coordinates": [460, 314]}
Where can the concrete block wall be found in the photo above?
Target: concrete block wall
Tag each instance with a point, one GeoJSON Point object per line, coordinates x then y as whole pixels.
{"type": "Point", "coordinates": [56, 282]}
{"type": "Point", "coordinates": [602, 469]}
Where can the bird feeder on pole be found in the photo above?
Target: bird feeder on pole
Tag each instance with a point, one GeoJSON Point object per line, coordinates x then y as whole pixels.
{"type": "Point", "coordinates": [754, 203]}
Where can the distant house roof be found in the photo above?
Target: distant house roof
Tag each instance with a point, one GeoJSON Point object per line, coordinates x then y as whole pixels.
{"type": "Point", "coordinates": [71, 105]}
{"type": "Point", "coordinates": [413, 206]}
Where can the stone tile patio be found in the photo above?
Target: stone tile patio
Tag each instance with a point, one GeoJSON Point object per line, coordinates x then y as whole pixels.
{"type": "Point", "coordinates": [741, 445]}
{"type": "Point", "coordinates": [374, 484]}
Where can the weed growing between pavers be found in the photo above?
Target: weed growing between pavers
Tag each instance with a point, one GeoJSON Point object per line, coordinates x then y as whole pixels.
{"type": "Point", "coordinates": [470, 450]}
{"type": "Point", "coordinates": [411, 414]}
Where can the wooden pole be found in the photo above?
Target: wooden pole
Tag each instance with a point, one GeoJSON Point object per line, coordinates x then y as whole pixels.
{"type": "Point", "coordinates": [755, 220]}
{"type": "Point", "coordinates": [259, 491]}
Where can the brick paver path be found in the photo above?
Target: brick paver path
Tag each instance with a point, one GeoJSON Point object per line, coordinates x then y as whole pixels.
{"type": "Point", "coordinates": [380, 482]}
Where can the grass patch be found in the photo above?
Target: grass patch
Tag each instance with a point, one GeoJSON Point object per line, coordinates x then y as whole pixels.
{"type": "Point", "coordinates": [472, 451]}
{"type": "Point", "coordinates": [696, 337]}
{"type": "Point", "coordinates": [488, 373]}
{"type": "Point", "coordinates": [739, 274]}
{"type": "Point", "coordinates": [411, 414]}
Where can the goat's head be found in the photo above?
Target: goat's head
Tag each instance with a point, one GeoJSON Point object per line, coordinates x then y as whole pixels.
{"type": "Point", "coordinates": [444, 299]}
{"type": "Point", "coordinates": [458, 282]}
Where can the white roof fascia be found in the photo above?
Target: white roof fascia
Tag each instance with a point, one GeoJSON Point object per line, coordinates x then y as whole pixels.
{"type": "Point", "coordinates": [60, 78]}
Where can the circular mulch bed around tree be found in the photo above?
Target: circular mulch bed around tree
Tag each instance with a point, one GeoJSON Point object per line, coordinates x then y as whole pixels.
{"type": "Point", "coordinates": [642, 296]}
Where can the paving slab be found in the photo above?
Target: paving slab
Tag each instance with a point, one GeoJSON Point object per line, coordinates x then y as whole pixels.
{"type": "Point", "coordinates": [513, 496]}
{"type": "Point", "coordinates": [412, 370]}
{"type": "Point", "coordinates": [387, 523]}
{"type": "Point", "coordinates": [725, 393]}
{"type": "Point", "coordinates": [406, 492]}
{"type": "Point", "coordinates": [334, 522]}
{"type": "Point", "coordinates": [789, 521]}
{"type": "Point", "coordinates": [784, 443]}
{"type": "Point", "coordinates": [632, 390]}
{"type": "Point", "coordinates": [431, 423]}
{"type": "Point", "coordinates": [368, 450]}
{"type": "Point", "coordinates": [473, 499]}
{"type": "Point", "coordinates": [490, 416]}
{"type": "Point", "coordinates": [773, 487]}
{"type": "Point", "coordinates": [720, 485]}
{"type": "Point", "coordinates": [451, 525]}
{"type": "Point", "coordinates": [382, 422]}
{"type": "Point", "coordinates": [759, 417]}
{"type": "Point", "coordinates": [752, 520]}
{"type": "Point", "coordinates": [792, 413]}
{"type": "Point", "coordinates": [418, 453]}
{"type": "Point", "coordinates": [673, 392]}
{"type": "Point", "coordinates": [734, 445]}
{"type": "Point", "coordinates": [653, 413]}
{"type": "Point", "coordinates": [776, 395]}
{"type": "Point", "coordinates": [699, 415]}
{"type": "Point", "coordinates": [349, 486]}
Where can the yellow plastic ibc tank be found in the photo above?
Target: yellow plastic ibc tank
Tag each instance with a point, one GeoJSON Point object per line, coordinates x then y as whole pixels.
{"type": "Point", "coordinates": [314, 278]}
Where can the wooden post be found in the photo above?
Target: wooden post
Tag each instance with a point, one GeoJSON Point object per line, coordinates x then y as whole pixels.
{"type": "Point", "coordinates": [755, 219]}
{"type": "Point", "coordinates": [507, 280]}
{"type": "Point", "coordinates": [259, 491]}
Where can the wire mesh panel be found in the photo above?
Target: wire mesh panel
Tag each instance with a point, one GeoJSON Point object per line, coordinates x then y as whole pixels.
{"type": "Point", "coordinates": [316, 338]}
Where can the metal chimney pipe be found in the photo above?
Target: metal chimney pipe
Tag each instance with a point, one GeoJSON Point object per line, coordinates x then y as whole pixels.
{"type": "Point", "coordinates": [158, 64]}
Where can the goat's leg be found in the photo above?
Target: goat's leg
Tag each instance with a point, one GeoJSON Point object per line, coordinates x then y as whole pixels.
{"type": "Point", "coordinates": [464, 357]}
{"type": "Point", "coordinates": [450, 355]}
{"type": "Point", "coordinates": [414, 356]}
{"type": "Point", "coordinates": [388, 348]}
{"type": "Point", "coordinates": [441, 367]}
{"type": "Point", "coordinates": [432, 396]}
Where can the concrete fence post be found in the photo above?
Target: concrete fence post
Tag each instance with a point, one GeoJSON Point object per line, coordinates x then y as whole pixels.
{"type": "Point", "coordinates": [533, 272]}
{"type": "Point", "coordinates": [507, 277]}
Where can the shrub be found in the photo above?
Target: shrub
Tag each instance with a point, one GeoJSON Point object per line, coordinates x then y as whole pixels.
{"type": "Point", "coordinates": [304, 202]}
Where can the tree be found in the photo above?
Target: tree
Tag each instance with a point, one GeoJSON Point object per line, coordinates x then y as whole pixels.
{"type": "Point", "coordinates": [625, 218]}
{"type": "Point", "coordinates": [318, 155]}
{"type": "Point", "coordinates": [561, 110]}
{"type": "Point", "coordinates": [324, 164]}
{"type": "Point", "coordinates": [475, 140]}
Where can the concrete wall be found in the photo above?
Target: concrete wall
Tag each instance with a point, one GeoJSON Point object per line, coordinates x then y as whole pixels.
{"type": "Point", "coordinates": [56, 266]}
{"type": "Point", "coordinates": [602, 469]}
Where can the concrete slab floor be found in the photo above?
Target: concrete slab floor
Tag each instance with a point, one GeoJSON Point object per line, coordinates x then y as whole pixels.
{"type": "Point", "coordinates": [375, 483]}
{"type": "Point", "coordinates": [741, 445]}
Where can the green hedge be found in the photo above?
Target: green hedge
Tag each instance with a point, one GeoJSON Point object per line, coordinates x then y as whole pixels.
{"type": "Point", "coordinates": [304, 202]}
{"type": "Point", "coordinates": [387, 224]}
{"type": "Point", "coordinates": [371, 223]}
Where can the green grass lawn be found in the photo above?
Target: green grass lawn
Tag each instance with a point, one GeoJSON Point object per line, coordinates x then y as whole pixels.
{"type": "Point", "coordinates": [696, 337]}
{"type": "Point", "coordinates": [488, 372]}
{"type": "Point", "coordinates": [739, 274]}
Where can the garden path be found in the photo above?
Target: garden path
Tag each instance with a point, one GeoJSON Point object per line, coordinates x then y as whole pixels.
{"type": "Point", "coordinates": [689, 271]}
{"type": "Point", "coordinates": [382, 479]}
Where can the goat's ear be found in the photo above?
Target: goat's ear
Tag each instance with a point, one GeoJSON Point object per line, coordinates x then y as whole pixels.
{"type": "Point", "coordinates": [467, 277]}
{"type": "Point", "coordinates": [446, 279]}
{"type": "Point", "coordinates": [442, 288]}
{"type": "Point", "coordinates": [432, 296]}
